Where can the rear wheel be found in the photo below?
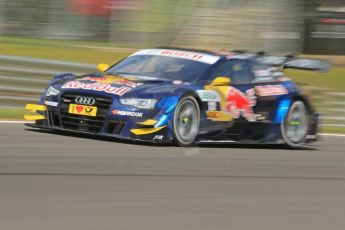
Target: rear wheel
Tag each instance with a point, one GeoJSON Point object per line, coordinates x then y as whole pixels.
{"type": "Point", "coordinates": [296, 124]}
{"type": "Point", "coordinates": [186, 121]}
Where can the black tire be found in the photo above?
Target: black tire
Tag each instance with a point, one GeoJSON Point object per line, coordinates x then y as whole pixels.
{"type": "Point", "coordinates": [295, 126]}
{"type": "Point", "coordinates": [186, 121]}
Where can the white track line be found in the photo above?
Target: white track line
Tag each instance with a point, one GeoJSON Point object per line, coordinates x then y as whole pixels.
{"type": "Point", "coordinates": [15, 122]}
{"type": "Point", "coordinates": [22, 122]}
{"type": "Point", "coordinates": [332, 134]}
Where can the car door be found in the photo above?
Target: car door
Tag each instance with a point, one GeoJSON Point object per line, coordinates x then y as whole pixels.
{"type": "Point", "coordinates": [238, 98]}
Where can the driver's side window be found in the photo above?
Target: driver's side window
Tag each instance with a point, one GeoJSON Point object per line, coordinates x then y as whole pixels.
{"type": "Point", "coordinates": [237, 70]}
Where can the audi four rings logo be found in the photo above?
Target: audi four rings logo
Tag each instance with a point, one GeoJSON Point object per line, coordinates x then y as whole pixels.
{"type": "Point", "coordinates": [85, 100]}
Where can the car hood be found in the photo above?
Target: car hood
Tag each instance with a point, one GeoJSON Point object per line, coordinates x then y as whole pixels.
{"type": "Point", "coordinates": [121, 86]}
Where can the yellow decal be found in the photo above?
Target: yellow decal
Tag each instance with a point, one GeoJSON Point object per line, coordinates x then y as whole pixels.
{"type": "Point", "coordinates": [82, 110]}
{"type": "Point", "coordinates": [221, 81]}
{"type": "Point", "coordinates": [33, 115]}
{"type": "Point", "coordinates": [145, 131]}
{"type": "Point", "coordinates": [223, 91]}
{"type": "Point", "coordinates": [148, 122]}
{"type": "Point", "coordinates": [102, 67]}
{"type": "Point", "coordinates": [218, 116]}
{"type": "Point", "coordinates": [34, 107]}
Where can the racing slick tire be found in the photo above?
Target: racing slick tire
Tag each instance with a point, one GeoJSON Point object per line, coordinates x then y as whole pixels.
{"type": "Point", "coordinates": [186, 121]}
{"type": "Point", "coordinates": [295, 126]}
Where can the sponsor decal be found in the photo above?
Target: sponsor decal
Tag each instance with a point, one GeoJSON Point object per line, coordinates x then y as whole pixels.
{"type": "Point", "coordinates": [82, 110]}
{"type": "Point", "coordinates": [213, 114]}
{"type": "Point", "coordinates": [218, 116]}
{"type": "Point", "coordinates": [113, 80]}
{"type": "Point", "coordinates": [212, 105]}
{"type": "Point", "coordinates": [195, 56]}
{"type": "Point", "coordinates": [233, 103]}
{"type": "Point", "coordinates": [239, 104]}
{"type": "Point", "coordinates": [270, 90]}
{"type": "Point", "coordinates": [127, 113]}
{"type": "Point", "coordinates": [107, 88]}
{"type": "Point", "coordinates": [182, 54]}
{"type": "Point", "coordinates": [158, 137]}
{"type": "Point", "coordinates": [261, 116]}
{"type": "Point", "coordinates": [51, 103]}
{"type": "Point", "coordinates": [85, 100]}
{"type": "Point", "coordinates": [208, 95]}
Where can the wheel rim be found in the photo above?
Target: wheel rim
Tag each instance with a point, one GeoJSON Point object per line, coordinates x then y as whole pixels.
{"type": "Point", "coordinates": [296, 124]}
{"type": "Point", "coordinates": [187, 121]}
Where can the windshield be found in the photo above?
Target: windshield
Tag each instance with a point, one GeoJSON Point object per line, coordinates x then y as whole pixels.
{"type": "Point", "coordinates": [165, 68]}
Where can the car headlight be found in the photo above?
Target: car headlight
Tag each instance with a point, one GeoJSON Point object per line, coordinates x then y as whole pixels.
{"type": "Point", "coordinates": [139, 103]}
{"type": "Point", "coordinates": [52, 92]}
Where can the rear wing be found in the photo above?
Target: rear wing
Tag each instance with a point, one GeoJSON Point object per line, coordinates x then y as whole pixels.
{"type": "Point", "coordinates": [296, 63]}
{"type": "Point", "coordinates": [289, 61]}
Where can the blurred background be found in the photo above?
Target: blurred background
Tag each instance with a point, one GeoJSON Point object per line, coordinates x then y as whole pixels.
{"type": "Point", "coordinates": [39, 38]}
{"type": "Point", "coordinates": [310, 26]}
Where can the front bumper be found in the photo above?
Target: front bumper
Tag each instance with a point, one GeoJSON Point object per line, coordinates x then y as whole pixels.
{"type": "Point", "coordinates": [100, 135]}
{"type": "Point", "coordinates": [104, 124]}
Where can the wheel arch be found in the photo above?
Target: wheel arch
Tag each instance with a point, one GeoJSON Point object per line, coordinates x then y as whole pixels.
{"type": "Point", "coordinates": [305, 100]}
{"type": "Point", "coordinates": [309, 111]}
{"type": "Point", "coordinates": [196, 96]}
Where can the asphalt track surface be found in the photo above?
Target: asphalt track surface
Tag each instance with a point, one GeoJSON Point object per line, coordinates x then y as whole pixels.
{"type": "Point", "coordinates": [51, 181]}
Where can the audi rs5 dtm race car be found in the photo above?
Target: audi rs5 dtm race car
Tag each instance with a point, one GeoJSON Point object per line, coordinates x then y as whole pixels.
{"type": "Point", "coordinates": [184, 96]}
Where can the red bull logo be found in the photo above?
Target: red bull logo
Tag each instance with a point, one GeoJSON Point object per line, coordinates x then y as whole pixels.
{"type": "Point", "coordinates": [112, 80]}
{"type": "Point", "coordinates": [96, 87]}
{"type": "Point", "coordinates": [239, 104]}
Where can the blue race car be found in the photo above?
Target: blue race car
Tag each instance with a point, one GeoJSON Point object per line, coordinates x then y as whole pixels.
{"type": "Point", "coordinates": [184, 96]}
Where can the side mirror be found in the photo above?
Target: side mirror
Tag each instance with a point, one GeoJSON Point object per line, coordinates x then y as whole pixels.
{"type": "Point", "coordinates": [221, 81]}
{"type": "Point", "coordinates": [102, 67]}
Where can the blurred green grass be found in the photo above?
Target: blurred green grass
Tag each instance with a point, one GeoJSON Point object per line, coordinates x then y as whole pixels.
{"type": "Point", "coordinates": [98, 52]}
{"type": "Point", "coordinates": [12, 113]}
{"type": "Point", "coordinates": [334, 80]}
{"type": "Point", "coordinates": [86, 52]}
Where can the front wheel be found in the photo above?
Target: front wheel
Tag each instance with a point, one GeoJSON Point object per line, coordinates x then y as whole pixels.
{"type": "Point", "coordinates": [186, 121]}
{"type": "Point", "coordinates": [296, 124]}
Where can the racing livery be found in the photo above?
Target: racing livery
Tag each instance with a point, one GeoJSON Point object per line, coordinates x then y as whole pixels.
{"type": "Point", "coordinates": [183, 96]}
